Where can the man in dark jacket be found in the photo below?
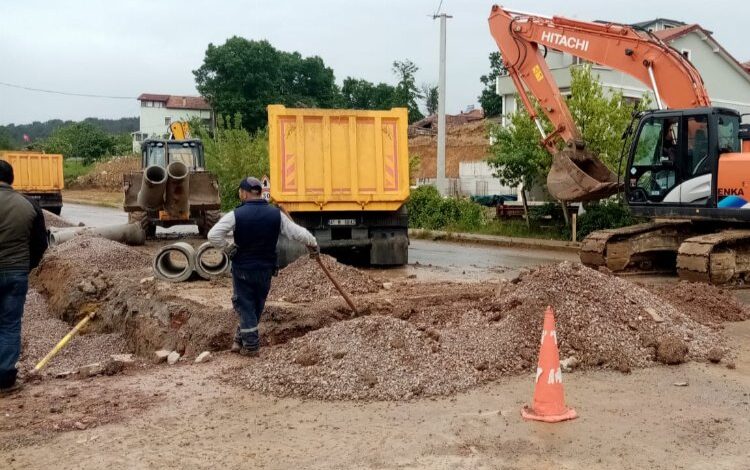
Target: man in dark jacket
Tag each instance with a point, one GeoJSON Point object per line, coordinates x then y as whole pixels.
{"type": "Point", "coordinates": [256, 226]}
{"type": "Point", "coordinates": [23, 240]}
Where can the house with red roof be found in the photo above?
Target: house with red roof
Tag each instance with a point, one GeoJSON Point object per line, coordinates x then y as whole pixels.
{"type": "Point", "coordinates": [159, 111]}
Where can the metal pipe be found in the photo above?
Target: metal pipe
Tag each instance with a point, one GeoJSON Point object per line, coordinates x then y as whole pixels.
{"type": "Point", "coordinates": [167, 269]}
{"type": "Point", "coordinates": [177, 194]}
{"type": "Point", "coordinates": [64, 341]}
{"type": "Point", "coordinates": [153, 184]}
{"type": "Point", "coordinates": [130, 234]}
{"type": "Point", "coordinates": [205, 267]}
{"type": "Point", "coordinates": [656, 88]}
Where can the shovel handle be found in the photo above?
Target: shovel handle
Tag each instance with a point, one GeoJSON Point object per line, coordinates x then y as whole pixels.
{"type": "Point", "coordinates": [337, 285]}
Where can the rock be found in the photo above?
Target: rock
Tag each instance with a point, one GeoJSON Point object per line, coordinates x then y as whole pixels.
{"type": "Point", "coordinates": [731, 365]}
{"type": "Point", "coordinates": [173, 357]}
{"type": "Point", "coordinates": [387, 285]}
{"type": "Point", "coordinates": [434, 334]}
{"type": "Point", "coordinates": [654, 316]}
{"type": "Point", "coordinates": [671, 350]}
{"type": "Point", "coordinates": [680, 384]}
{"type": "Point", "coordinates": [64, 375]}
{"type": "Point", "coordinates": [569, 364]}
{"type": "Point", "coordinates": [113, 367]}
{"type": "Point", "coordinates": [55, 409]}
{"type": "Point", "coordinates": [90, 370]}
{"type": "Point", "coordinates": [124, 359]}
{"type": "Point", "coordinates": [79, 425]}
{"type": "Point", "coordinates": [147, 279]}
{"type": "Point", "coordinates": [205, 356]}
{"type": "Point", "coordinates": [715, 355]}
{"type": "Point", "coordinates": [87, 287]}
{"type": "Point", "coordinates": [161, 355]}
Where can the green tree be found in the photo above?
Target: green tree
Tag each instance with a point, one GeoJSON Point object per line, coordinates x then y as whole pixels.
{"type": "Point", "coordinates": [407, 92]}
{"type": "Point", "coordinates": [233, 153]}
{"type": "Point", "coordinates": [600, 118]}
{"type": "Point", "coordinates": [6, 142]}
{"type": "Point", "coordinates": [516, 155]}
{"type": "Point", "coordinates": [491, 102]}
{"type": "Point", "coordinates": [82, 140]}
{"type": "Point", "coordinates": [361, 94]}
{"type": "Point", "coordinates": [430, 93]}
{"type": "Point", "coordinates": [244, 76]}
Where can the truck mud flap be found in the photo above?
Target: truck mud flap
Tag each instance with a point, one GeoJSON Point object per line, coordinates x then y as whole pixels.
{"type": "Point", "coordinates": [389, 248]}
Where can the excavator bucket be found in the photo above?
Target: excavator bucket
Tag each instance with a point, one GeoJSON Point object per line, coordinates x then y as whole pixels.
{"type": "Point", "coordinates": [577, 175]}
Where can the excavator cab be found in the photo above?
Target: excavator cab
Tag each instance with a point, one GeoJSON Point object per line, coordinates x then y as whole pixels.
{"type": "Point", "coordinates": [678, 160]}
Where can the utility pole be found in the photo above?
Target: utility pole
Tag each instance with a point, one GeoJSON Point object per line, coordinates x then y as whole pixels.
{"type": "Point", "coordinates": [441, 182]}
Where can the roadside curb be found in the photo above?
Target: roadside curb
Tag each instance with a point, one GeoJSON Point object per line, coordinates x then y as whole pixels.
{"type": "Point", "coordinates": [495, 240]}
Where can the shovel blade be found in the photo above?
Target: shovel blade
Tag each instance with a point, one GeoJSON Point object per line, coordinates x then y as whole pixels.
{"type": "Point", "coordinates": [577, 175]}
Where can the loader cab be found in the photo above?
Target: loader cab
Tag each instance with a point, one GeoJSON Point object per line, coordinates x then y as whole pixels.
{"type": "Point", "coordinates": [163, 152]}
{"type": "Point", "coordinates": [674, 156]}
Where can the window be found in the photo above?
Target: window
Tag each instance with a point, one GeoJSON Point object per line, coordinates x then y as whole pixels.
{"type": "Point", "coordinates": [697, 146]}
{"type": "Point", "coordinates": [685, 53]}
{"type": "Point", "coordinates": [167, 121]}
{"type": "Point", "coordinates": [729, 133]}
{"type": "Point", "coordinates": [149, 104]}
{"type": "Point", "coordinates": [653, 174]}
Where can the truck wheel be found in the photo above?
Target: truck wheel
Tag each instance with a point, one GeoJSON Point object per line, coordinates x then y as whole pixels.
{"type": "Point", "coordinates": [206, 221]}
{"type": "Point", "coordinates": [141, 218]}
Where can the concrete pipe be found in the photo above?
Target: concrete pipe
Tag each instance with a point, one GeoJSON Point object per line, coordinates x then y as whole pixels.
{"type": "Point", "coordinates": [177, 195]}
{"type": "Point", "coordinates": [130, 234]}
{"type": "Point", "coordinates": [175, 262]}
{"type": "Point", "coordinates": [153, 184]}
{"type": "Point", "coordinates": [211, 262]}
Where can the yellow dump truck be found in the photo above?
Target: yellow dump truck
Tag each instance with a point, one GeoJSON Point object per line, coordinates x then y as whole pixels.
{"type": "Point", "coordinates": [39, 176]}
{"type": "Point", "coordinates": [344, 175]}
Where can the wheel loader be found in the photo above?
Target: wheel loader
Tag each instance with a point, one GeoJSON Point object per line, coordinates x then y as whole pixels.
{"type": "Point", "coordinates": [173, 187]}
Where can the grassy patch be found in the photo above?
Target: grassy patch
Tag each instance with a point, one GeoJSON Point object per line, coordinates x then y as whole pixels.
{"type": "Point", "coordinates": [73, 168]}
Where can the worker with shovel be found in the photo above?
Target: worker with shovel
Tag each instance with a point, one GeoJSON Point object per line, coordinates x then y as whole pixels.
{"type": "Point", "coordinates": [23, 240]}
{"type": "Point", "coordinates": [256, 225]}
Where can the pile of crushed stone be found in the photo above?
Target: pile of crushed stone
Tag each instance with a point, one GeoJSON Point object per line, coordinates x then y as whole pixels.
{"type": "Point", "coordinates": [40, 333]}
{"type": "Point", "coordinates": [602, 321]}
{"type": "Point", "coordinates": [96, 252]}
{"type": "Point", "coordinates": [704, 303]}
{"type": "Point", "coordinates": [304, 281]}
{"type": "Point", "coordinates": [52, 220]}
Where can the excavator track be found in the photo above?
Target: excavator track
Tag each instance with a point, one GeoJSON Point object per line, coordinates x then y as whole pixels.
{"type": "Point", "coordinates": [716, 258]}
{"type": "Point", "coordinates": [649, 247]}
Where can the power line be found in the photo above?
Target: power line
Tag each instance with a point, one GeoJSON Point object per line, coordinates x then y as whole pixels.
{"type": "Point", "coordinates": [440, 5]}
{"type": "Point", "coordinates": [85, 95]}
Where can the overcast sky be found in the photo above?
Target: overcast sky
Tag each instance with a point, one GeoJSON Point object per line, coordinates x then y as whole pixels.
{"type": "Point", "coordinates": [129, 47]}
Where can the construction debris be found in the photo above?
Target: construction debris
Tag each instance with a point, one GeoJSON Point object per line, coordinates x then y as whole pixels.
{"type": "Point", "coordinates": [161, 355]}
{"type": "Point", "coordinates": [173, 357]}
{"type": "Point", "coordinates": [205, 356]}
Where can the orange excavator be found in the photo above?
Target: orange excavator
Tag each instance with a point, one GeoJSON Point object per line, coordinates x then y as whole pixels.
{"type": "Point", "coordinates": [685, 169]}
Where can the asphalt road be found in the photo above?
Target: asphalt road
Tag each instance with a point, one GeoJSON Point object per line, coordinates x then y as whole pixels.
{"type": "Point", "coordinates": [428, 260]}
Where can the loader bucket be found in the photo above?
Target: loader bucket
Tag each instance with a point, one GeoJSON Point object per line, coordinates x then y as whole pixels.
{"type": "Point", "coordinates": [577, 175]}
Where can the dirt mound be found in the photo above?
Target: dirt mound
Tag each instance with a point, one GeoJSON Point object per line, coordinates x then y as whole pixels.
{"type": "Point", "coordinates": [304, 281]}
{"type": "Point", "coordinates": [40, 333]}
{"type": "Point", "coordinates": [466, 142]}
{"type": "Point", "coordinates": [449, 340]}
{"type": "Point", "coordinates": [107, 174]}
{"type": "Point", "coordinates": [52, 220]}
{"type": "Point", "coordinates": [704, 303]}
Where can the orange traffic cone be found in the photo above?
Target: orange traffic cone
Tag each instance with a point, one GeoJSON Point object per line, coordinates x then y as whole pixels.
{"type": "Point", "coordinates": [549, 398]}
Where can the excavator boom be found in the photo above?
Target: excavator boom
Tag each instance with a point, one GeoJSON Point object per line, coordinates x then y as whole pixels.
{"type": "Point", "coordinates": [576, 175]}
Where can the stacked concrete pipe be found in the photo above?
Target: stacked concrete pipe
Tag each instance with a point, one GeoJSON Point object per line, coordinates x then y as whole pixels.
{"type": "Point", "coordinates": [151, 194]}
{"type": "Point", "coordinates": [166, 270]}
{"type": "Point", "coordinates": [195, 261]}
{"type": "Point", "coordinates": [205, 268]}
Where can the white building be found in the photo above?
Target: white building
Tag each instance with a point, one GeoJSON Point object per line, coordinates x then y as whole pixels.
{"type": "Point", "coordinates": [159, 111]}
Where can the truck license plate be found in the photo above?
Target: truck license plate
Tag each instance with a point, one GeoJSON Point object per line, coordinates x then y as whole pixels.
{"type": "Point", "coordinates": [342, 222]}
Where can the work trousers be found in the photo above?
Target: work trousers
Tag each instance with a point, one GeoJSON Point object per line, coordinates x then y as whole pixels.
{"type": "Point", "coordinates": [251, 288]}
{"type": "Point", "coordinates": [13, 288]}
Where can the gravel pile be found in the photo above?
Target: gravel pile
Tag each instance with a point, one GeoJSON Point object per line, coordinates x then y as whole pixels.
{"type": "Point", "coordinates": [374, 357]}
{"type": "Point", "coordinates": [52, 220]}
{"type": "Point", "coordinates": [439, 348]}
{"type": "Point", "coordinates": [304, 281]}
{"type": "Point", "coordinates": [704, 303]}
{"type": "Point", "coordinates": [96, 252]}
{"type": "Point", "coordinates": [107, 174]}
{"type": "Point", "coordinates": [40, 333]}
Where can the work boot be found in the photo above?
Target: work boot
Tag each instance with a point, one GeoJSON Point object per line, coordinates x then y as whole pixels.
{"type": "Point", "coordinates": [4, 392]}
{"type": "Point", "coordinates": [247, 352]}
{"type": "Point", "coordinates": [236, 347]}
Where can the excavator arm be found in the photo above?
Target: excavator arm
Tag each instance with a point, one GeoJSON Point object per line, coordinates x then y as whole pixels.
{"type": "Point", "coordinates": [576, 175]}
